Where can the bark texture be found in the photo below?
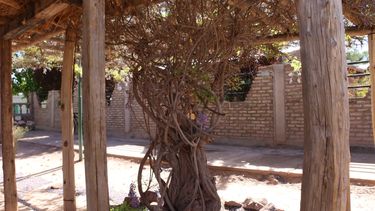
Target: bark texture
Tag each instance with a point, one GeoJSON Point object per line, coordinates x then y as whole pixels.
{"type": "Point", "coordinates": [95, 140]}
{"type": "Point", "coordinates": [325, 184]}
{"type": "Point", "coordinates": [67, 128]}
{"type": "Point", "coordinates": [8, 144]}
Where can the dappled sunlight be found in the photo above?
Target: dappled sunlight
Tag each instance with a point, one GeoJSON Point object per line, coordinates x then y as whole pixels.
{"type": "Point", "coordinates": [34, 138]}
{"type": "Point", "coordinates": [39, 176]}
{"type": "Point", "coordinates": [216, 162]}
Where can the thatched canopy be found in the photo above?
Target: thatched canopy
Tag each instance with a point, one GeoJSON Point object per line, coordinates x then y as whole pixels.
{"type": "Point", "coordinates": [28, 22]}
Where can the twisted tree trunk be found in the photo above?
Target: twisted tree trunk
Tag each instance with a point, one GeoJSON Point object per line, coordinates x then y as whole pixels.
{"type": "Point", "coordinates": [192, 187]}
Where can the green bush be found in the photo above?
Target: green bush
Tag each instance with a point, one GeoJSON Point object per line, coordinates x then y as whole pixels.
{"type": "Point", "coordinates": [126, 207]}
{"type": "Point", "coordinates": [18, 132]}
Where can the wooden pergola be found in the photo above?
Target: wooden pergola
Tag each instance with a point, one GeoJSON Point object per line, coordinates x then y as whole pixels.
{"type": "Point", "coordinates": [325, 183]}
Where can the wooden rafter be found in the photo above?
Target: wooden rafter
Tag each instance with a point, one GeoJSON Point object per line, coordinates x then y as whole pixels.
{"type": "Point", "coordinates": [11, 3]}
{"type": "Point", "coordinates": [350, 15]}
{"type": "Point", "coordinates": [3, 20]}
{"type": "Point", "coordinates": [351, 31]}
{"type": "Point", "coordinates": [37, 40]}
{"type": "Point", "coordinates": [33, 17]}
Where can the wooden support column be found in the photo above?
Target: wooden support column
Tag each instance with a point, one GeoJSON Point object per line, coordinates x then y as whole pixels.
{"type": "Point", "coordinates": [371, 45]}
{"type": "Point", "coordinates": [325, 182]}
{"type": "Point", "coordinates": [67, 127]}
{"type": "Point", "coordinates": [94, 113]}
{"type": "Point", "coordinates": [8, 144]}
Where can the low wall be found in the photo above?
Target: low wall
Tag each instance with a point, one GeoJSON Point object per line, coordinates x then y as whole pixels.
{"type": "Point", "coordinates": [47, 114]}
{"type": "Point", "coordinates": [250, 122]}
{"type": "Point", "coordinates": [272, 113]}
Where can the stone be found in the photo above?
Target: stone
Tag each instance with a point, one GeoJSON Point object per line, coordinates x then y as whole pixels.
{"type": "Point", "coordinates": [268, 207]}
{"type": "Point", "coordinates": [271, 180]}
{"type": "Point", "coordinates": [251, 205]}
{"type": "Point", "coordinates": [232, 205]}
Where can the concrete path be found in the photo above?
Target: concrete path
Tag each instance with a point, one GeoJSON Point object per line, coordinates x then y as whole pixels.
{"type": "Point", "coordinates": [264, 161]}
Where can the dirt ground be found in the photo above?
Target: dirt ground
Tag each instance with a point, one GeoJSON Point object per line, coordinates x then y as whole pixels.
{"type": "Point", "coordinates": [39, 183]}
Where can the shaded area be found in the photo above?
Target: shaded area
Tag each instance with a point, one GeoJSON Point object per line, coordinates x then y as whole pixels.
{"type": "Point", "coordinates": [268, 160]}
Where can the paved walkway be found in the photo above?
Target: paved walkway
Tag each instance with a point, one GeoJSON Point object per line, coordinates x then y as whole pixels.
{"type": "Point", "coordinates": [284, 162]}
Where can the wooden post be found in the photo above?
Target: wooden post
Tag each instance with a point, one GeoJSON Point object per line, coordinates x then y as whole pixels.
{"type": "Point", "coordinates": [371, 45]}
{"type": "Point", "coordinates": [67, 128]}
{"type": "Point", "coordinates": [9, 168]}
{"type": "Point", "coordinates": [94, 114]}
{"type": "Point", "coordinates": [325, 182]}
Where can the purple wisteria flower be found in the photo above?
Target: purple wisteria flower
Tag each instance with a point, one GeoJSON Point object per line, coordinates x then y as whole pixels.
{"type": "Point", "coordinates": [133, 198]}
{"type": "Point", "coordinates": [202, 120]}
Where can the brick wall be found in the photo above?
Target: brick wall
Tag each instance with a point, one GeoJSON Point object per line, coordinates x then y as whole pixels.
{"type": "Point", "coordinates": [360, 122]}
{"type": "Point", "coordinates": [245, 123]}
{"type": "Point", "coordinates": [138, 122]}
{"type": "Point", "coordinates": [293, 107]}
{"type": "Point", "coordinates": [116, 113]}
{"type": "Point", "coordinates": [250, 122]}
{"type": "Point", "coordinates": [359, 111]}
{"type": "Point", "coordinates": [49, 118]}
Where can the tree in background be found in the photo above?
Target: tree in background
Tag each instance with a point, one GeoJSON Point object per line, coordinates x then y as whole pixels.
{"type": "Point", "coordinates": [36, 70]}
{"type": "Point", "coordinates": [39, 70]}
{"type": "Point", "coordinates": [23, 82]}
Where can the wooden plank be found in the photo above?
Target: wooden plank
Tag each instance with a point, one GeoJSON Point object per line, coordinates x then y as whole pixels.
{"type": "Point", "coordinates": [371, 45]}
{"type": "Point", "coordinates": [325, 182]}
{"type": "Point", "coordinates": [67, 128]}
{"type": "Point", "coordinates": [34, 16]}
{"type": "Point", "coordinates": [11, 3]}
{"type": "Point", "coordinates": [94, 112]}
{"type": "Point", "coordinates": [8, 147]}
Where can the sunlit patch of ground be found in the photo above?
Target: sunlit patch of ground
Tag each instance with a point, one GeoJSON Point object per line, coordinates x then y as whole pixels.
{"type": "Point", "coordinates": [39, 183]}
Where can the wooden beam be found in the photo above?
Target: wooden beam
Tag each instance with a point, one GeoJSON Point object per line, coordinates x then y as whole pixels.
{"type": "Point", "coordinates": [351, 31]}
{"type": "Point", "coordinates": [37, 39]}
{"type": "Point", "coordinates": [47, 47]}
{"type": "Point", "coordinates": [3, 20]}
{"type": "Point", "coordinates": [34, 16]}
{"type": "Point", "coordinates": [8, 144]}
{"type": "Point", "coordinates": [11, 3]}
{"type": "Point", "coordinates": [94, 114]}
{"type": "Point", "coordinates": [350, 14]}
{"type": "Point", "coordinates": [57, 40]}
{"type": "Point", "coordinates": [325, 181]}
{"type": "Point", "coordinates": [371, 45]}
{"type": "Point", "coordinates": [67, 128]}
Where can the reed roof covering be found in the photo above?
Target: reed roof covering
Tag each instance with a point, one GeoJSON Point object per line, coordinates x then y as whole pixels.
{"type": "Point", "coordinates": [27, 22]}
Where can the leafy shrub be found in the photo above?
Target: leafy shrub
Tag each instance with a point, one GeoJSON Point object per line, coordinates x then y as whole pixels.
{"type": "Point", "coordinates": [131, 202]}
{"type": "Point", "coordinates": [126, 207]}
{"type": "Point", "coordinates": [19, 132]}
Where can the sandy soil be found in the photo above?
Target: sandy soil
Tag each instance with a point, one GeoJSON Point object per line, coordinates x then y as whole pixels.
{"type": "Point", "coordinates": [39, 183]}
